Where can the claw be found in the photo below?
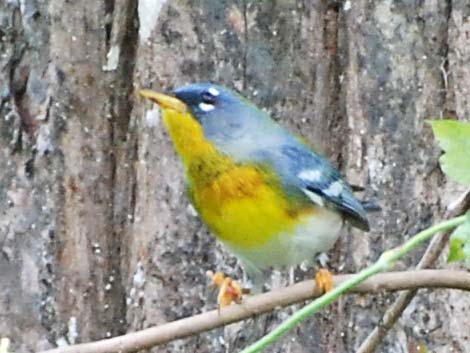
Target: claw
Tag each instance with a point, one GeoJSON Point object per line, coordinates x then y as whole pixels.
{"type": "Point", "coordinates": [229, 290]}
{"type": "Point", "coordinates": [324, 280]}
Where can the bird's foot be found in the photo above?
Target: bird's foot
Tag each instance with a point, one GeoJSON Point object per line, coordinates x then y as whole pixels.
{"type": "Point", "coordinates": [324, 280]}
{"type": "Point", "coordinates": [230, 290]}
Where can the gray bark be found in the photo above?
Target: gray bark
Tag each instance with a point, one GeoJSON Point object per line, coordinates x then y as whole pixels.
{"type": "Point", "coordinates": [97, 237]}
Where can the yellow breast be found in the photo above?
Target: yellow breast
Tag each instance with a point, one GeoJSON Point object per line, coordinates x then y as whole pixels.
{"type": "Point", "coordinates": [241, 204]}
{"type": "Point", "coordinates": [244, 209]}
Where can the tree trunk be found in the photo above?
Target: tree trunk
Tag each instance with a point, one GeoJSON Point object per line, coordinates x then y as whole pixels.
{"type": "Point", "coordinates": [97, 235]}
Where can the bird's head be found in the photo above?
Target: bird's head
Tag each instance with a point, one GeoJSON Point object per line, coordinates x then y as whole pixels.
{"type": "Point", "coordinates": [227, 119]}
{"type": "Point", "coordinates": [206, 100]}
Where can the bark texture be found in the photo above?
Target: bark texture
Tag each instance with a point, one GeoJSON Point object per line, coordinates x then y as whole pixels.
{"type": "Point", "coordinates": [97, 236]}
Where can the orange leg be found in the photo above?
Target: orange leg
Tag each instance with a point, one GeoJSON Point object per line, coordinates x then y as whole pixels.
{"type": "Point", "coordinates": [229, 290]}
{"type": "Point", "coordinates": [324, 280]}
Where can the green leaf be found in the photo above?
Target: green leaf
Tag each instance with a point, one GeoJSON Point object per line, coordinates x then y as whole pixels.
{"type": "Point", "coordinates": [454, 139]}
{"type": "Point", "coordinates": [456, 251]}
{"type": "Point", "coordinates": [460, 243]}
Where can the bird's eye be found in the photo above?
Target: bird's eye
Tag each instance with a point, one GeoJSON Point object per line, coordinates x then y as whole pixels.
{"type": "Point", "coordinates": [208, 98]}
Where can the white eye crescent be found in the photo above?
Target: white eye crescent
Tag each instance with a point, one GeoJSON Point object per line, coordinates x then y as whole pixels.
{"type": "Point", "coordinates": [205, 107]}
{"type": "Point", "coordinates": [213, 91]}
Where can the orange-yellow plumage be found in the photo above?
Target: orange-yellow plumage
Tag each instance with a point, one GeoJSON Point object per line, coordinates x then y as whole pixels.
{"type": "Point", "coordinates": [187, 136]}
{"type": "Point", "coordinates": [237, 202]}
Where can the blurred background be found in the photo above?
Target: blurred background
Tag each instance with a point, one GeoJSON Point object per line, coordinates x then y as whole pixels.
{"type": "Point", "coordinates": [97, 236]}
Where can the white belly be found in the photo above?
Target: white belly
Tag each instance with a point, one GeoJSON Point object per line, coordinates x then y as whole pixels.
{"type": "Point", "coordinates": [316, 234]}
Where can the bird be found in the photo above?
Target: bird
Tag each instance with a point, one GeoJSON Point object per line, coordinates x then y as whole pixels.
{"type": "Point", "coordinates": [261, 189]}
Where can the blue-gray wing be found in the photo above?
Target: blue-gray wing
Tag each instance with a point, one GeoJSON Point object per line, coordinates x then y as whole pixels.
{"type": "Point", "coordinates": [323, 184]}
{"type": "Point", "coordinates": [304, 170]}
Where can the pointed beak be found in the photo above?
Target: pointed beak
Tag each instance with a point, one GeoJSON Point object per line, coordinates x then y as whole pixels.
{"type": "Point", "coordinates": [164, 101]}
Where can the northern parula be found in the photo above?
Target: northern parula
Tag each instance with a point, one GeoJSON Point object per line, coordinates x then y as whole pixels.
{"type": "Point", "coordinates": [261, 189]}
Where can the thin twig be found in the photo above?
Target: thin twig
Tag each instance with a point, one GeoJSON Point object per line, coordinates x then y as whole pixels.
{"type": "Point", "coordinates": [252, 306]}
{"type": "Point", "coordinates": [430, 256]}
{"type": "Point", "coordinates": [385, 261]}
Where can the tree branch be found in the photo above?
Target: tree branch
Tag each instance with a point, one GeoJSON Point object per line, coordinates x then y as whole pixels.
{"type": "Point", "coordinates": [251, 306]}
{"type": "Point", "coordinates": [430, 256]}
